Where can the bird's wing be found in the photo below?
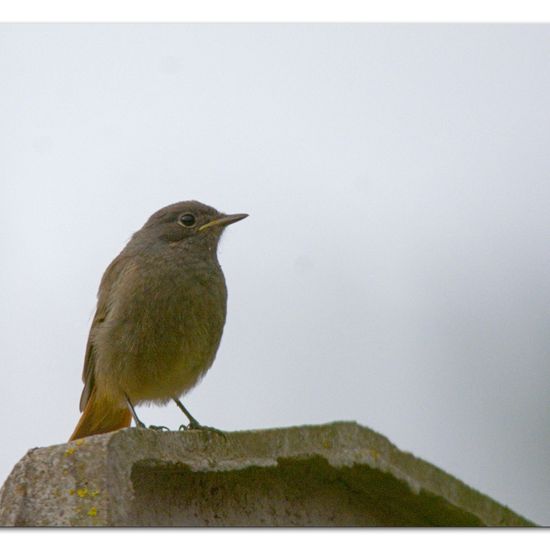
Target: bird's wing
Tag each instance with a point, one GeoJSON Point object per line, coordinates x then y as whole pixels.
{"type": "Point", "coordinates": [111, 275]}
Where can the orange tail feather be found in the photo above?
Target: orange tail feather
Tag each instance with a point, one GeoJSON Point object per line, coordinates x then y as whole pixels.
{"type": "Point", "coordinates": [99, 417]}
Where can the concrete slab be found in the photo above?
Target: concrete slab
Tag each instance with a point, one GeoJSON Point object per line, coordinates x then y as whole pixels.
{"type": "Point", "coordinates": [339, 474]}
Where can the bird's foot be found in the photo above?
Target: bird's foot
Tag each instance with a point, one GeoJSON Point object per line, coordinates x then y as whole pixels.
{"type": "Point", "coordinates": [194, 425]}
{"type": "Point", "coordinates": [159, 428]}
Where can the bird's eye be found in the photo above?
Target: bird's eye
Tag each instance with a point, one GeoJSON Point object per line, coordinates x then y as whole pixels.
{"type": "Point", "coordinates": [187, 219]}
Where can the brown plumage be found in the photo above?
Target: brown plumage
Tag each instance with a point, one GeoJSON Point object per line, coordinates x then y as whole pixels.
{"type": "Point", "coordinates": [159, 319]}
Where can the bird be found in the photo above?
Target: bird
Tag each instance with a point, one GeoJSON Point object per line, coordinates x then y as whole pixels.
{"type": "Point", "coordinates": [161, 310]}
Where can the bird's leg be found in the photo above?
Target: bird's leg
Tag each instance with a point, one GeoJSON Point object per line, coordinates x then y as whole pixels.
{"type": "Point", "coordinates": [138, 422]}
{"type": "Point", "coordinates": [194, 424]}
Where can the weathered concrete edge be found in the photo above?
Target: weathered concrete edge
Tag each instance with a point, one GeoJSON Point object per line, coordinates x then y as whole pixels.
{"type": "Point", "coordinates": [342, 444]}
{"type": "Point", "coordinates": [28, 491]}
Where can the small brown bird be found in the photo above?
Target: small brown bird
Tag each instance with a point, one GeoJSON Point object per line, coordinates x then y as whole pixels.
{"type": "Point", "coordinates": [159, 320]}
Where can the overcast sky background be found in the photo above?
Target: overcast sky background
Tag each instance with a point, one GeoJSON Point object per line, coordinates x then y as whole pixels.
{"type": "Point", "coordinates": [395, 267]}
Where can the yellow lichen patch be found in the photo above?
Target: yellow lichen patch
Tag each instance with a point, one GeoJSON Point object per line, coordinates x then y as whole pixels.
{"type": "Point", "coordinates": [72, 491]}
{"type": "Point", "coordinates": [94, 493]}
{"type": "Point", "coordinates": [70, 451]}
{"type": "Point", "coordinates": [82, 492]}
{"type": "Point", "coordinates": [92, 511]}
{"type": "Point", "coordinates": [79, 442]}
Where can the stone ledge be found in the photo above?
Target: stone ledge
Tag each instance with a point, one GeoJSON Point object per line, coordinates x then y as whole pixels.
{"type": "Point", "coordinates": [339, 474]}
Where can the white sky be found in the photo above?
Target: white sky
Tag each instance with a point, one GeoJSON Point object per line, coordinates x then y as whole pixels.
{"type": "Point", "coordinates": [395, 268]}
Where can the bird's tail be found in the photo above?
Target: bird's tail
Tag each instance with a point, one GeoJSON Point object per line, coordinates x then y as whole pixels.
{"type": "Point", "coordinates": [101, 416]}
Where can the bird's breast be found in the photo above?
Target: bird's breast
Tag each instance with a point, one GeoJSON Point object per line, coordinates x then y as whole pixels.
{"type": "Point", "coordinates": [165, 329]}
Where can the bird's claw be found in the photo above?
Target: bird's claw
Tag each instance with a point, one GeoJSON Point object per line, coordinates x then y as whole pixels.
{"type": "Point", "coordinates": [196, 426]}
{"type": "Point", "coordinates": [159, 428]}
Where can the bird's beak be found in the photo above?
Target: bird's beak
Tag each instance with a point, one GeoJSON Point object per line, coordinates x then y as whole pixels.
{"type": "Point", "coordinates": [224, 220]}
